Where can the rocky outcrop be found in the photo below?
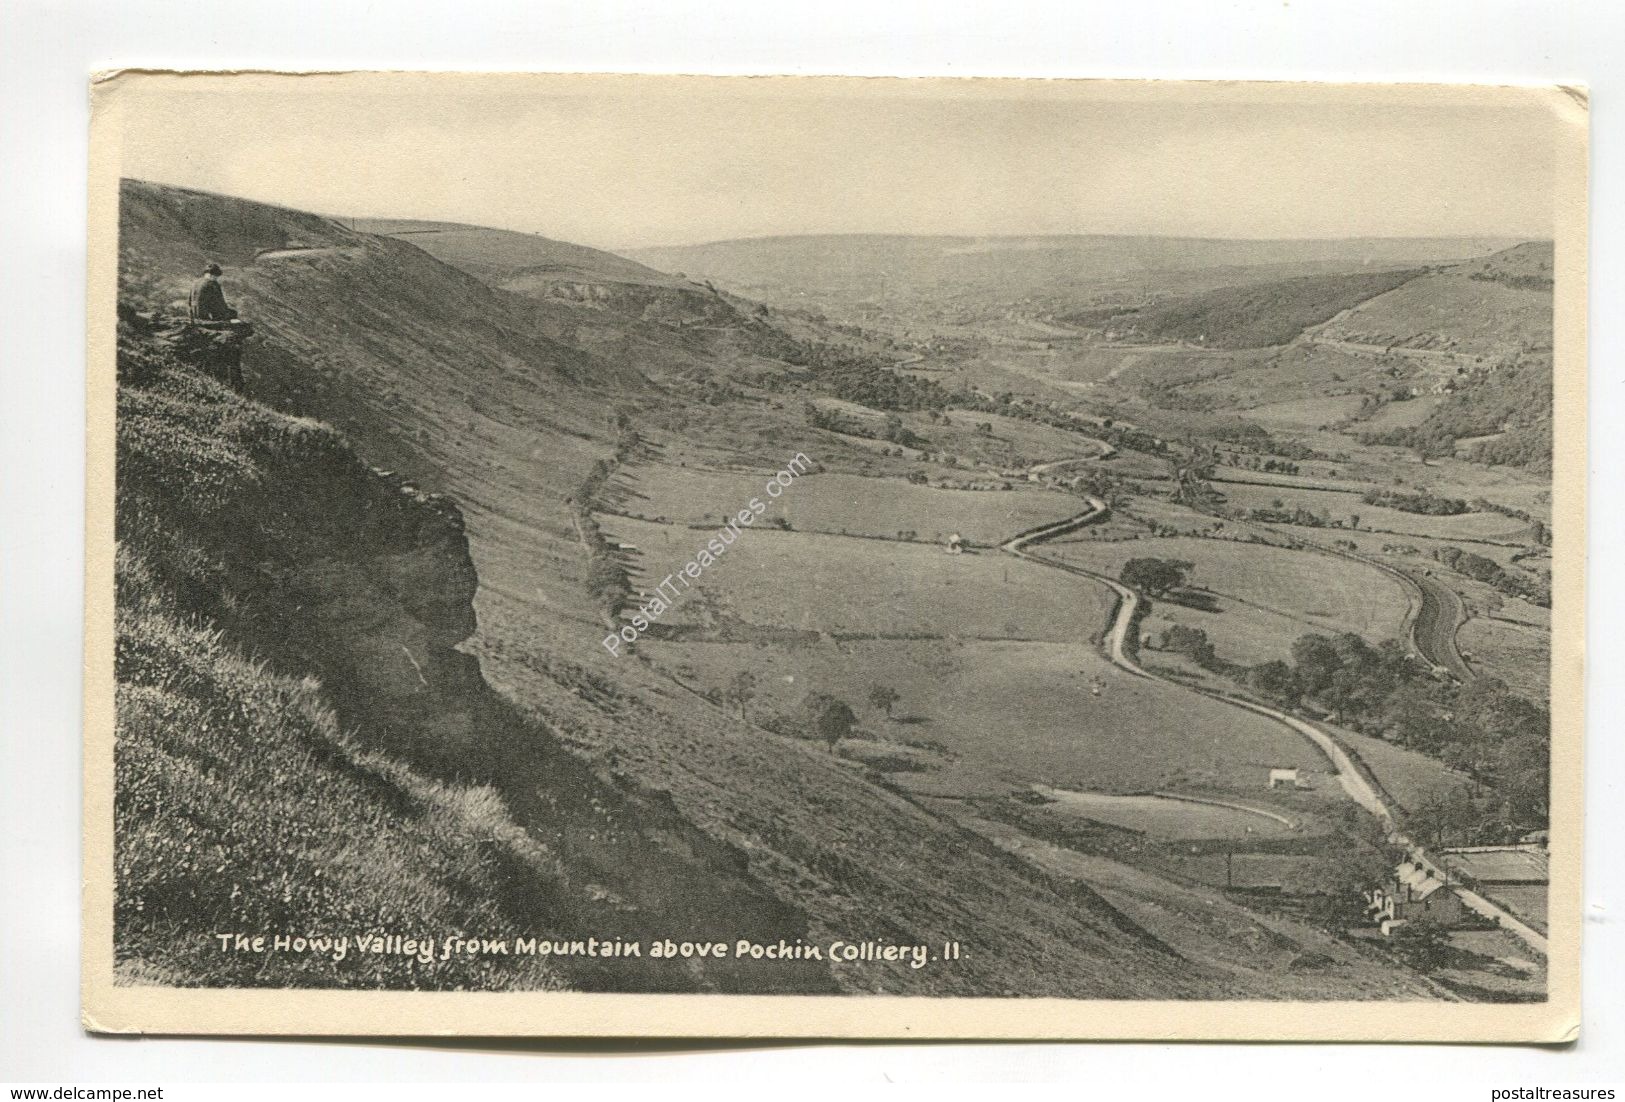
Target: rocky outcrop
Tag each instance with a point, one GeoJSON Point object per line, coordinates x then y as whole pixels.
{"type": "Point", "coordinates": [326, 571]}
{"type": "Point", "coordinates": [675, 306]}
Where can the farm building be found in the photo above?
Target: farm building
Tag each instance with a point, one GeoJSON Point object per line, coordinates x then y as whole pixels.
{"type": "Point", "coordinates": [1291, 778]}
{"type": "Point", "coordinates": [1413, 894]}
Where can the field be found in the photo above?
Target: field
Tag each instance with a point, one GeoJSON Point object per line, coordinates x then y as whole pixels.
{"type": "Point", "coordinates": [1312, 412]}
{"type": "Point", "coordinates": [1400, 415]}
{"type": "Point", "coordinates": [1009, 715]}
{"type": "Point", "coordinates": [1166, 818]}
{"type": "Point", "coordinates": [1527, 901]}
{"type": "Point", "coordinates": [784, 581]}
{"type": "Point", "coordinates": [1408, 777]}
{"type": "Point", "coordinates": [1266, 596]}
{"type": "Point", "coordinates": [1243, 870]}
{"type": "Point", "coordinates": [842, 503]}
{"type": "Point", "coordinates": [1341, 506]}
{"type": "Point", "coordinates": [1449, 311]}
{"type": "Point", "coordinates": [1518, 654]}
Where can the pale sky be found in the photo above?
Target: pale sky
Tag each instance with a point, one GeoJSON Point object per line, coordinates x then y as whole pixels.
{"type": "Point", "coordinates": [624, 162]}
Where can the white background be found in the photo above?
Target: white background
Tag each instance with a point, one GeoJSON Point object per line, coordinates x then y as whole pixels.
{"type": "Point", "coordinates": [48, 50]}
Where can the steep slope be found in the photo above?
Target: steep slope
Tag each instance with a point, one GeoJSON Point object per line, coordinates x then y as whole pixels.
{"type": "Point", "coordinates": [1493, 309]}
{"type": "Point", "coordinates": [467, 390]}
{"type": "Point", "coordinates": [440, 378]}
{"type": "Point", "coordinates": [380, 337]}
{"type": "Point", "coordinates": [1257, 315]}
{"type": "Point", "coordinates": [674, 328]}
{"type": "Point", "coordinates": [501, 256]}
{"type": "Point", "coordinates": [302, 748]}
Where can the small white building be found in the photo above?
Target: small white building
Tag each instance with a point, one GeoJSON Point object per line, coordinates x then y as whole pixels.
{"type": "Point", "coordinates": [1288, 777]}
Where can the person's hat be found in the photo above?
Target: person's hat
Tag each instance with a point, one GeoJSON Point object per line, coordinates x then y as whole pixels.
{"type": "Point", "coordinates": [212, 268]}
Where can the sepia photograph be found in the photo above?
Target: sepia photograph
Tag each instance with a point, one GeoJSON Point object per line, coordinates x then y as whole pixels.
{"type": "Point", "coordinates": [839, 557]}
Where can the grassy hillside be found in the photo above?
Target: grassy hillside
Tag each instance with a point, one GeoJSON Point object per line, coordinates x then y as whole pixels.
{"type": "Point", "coordinates": [214, 748]}
{"type": "Point", "coordinates": [1506, 413]}
{"type": "Point", "coordinates": [302, 748]}
{"type": "Point", "coordinates": [1255, 315]}
{"type": "Point", "coordinates": [502, 256]}
{"type": "Point", "coordinates": [657, 809]}
{"type": "Point", "coordinates": [663, 812]}
{"type": "Point", "coordinates": [1492, 309]}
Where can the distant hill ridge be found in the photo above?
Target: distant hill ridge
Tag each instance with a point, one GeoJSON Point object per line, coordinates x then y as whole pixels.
{"type": "Point", "coordinates": [861, 263]}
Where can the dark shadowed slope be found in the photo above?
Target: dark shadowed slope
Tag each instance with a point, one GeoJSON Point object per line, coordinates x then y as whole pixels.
{"type": "Point", "coordinates": [1254, 315]}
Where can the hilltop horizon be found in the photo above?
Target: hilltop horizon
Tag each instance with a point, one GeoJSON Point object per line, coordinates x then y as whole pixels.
{"type": "Point", "coordinates": [1507, 237]}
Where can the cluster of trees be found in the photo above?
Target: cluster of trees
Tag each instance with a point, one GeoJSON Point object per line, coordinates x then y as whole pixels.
{"type": "Point", "coordinates": [1425, 440]}
{"type": "Point", "coordinates": [1481, 728]}
{"type": "Point", "coordinates": [1194, 644]}
{"type": "Point", "coordinates": [1492, 573]}
{"type": "Point", "coordinates": [1263, 463]}
{"type": "Point", "coordinates": [1278, 513]}
{"type": "Point", "coordinates": [1522, 282]}
{"type": "Point", "coordinates": [1515, 401]}
{"type": "Point", "coordinates": [1419, 502]}
{"type": "Point", "coordinates": [1529, 447]}
{"type": "Point", "coordinates": [875, 385]}
{"type": "Point", "coordinates": [892, 430]}
{"type": "Point", "coordinates": [1170, 395]}
{"type": "Point", "coordinates": [818, 715]}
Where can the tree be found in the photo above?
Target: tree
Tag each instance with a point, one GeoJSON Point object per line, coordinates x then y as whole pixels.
{"type": "Point", "coordinates": [1191, 642]}
{"type": "Point", "coordinates": [742, 690]}
{"type": "Point", "coordinates": [1354, 520]}
{"type": "Point", "coordinates": [882, 697]}
{"type": "Point", "coordinates": [1424, 945]}
{"type": "Point", "coordinates": [827, 717]}
{"type": "Point", "coordinates": [1274, 679]}
{"type": "Point", "coordinates": [1155, 576]}
{"type": "Point", "coordinates": [1345, 873]}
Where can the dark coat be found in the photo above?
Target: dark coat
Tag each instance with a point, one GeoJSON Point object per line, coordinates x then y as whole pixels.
{"type": "Point", "coordinates": [208, 301]}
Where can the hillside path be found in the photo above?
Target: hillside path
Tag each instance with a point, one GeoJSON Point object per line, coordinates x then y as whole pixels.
{"type": "Point", "coordinates": [307, 250]}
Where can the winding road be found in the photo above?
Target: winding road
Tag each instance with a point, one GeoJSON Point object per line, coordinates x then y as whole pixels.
{"type": "Point", "coordinates": [1353, 781]}
{"type": "Point", "coordinates": [1436, 613]}
{"type": "Point", "coordinates": [1436, 624]}
{"type": "Point", "coordinates": [1350, 775]}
